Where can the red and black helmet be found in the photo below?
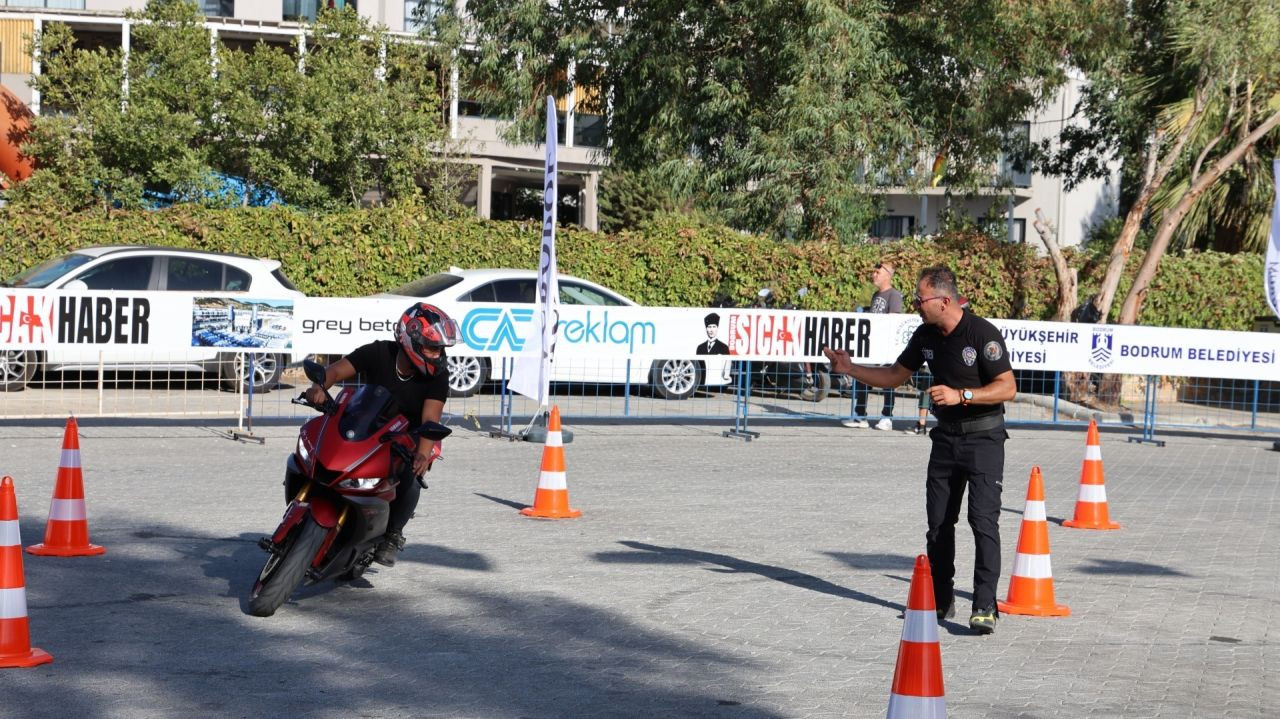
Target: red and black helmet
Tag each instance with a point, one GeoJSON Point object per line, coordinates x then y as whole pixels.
{"type": "Point", "coordinates": [425, 326]}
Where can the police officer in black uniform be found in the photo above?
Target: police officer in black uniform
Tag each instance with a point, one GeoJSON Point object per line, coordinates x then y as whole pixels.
{"type": "Point", "coordinates": [972, 379]}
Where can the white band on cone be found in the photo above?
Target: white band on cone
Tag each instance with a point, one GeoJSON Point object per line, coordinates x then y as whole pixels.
{"type": "Point", "coordinates": [920, 625]}
{"type": "Point", "coordinates": [1034, 511]}
{"type": "Point", "coordinates": [9, 534]}
{"type": "Point", "coordinates": [1092, 493]}
{"type": "Point", "coordinates": [554, 439]}
{"type": "Point", "coordinates": [13, 603]}
{"type": "Point", "coordinates": [1032, 566]}
{"type": "Point", "coordinates": [552, 480]}
{"type": "Point", "coordinates": [70, 459]}
{"type": "Point", "coordinates": [67, 510]}
{"type": "Point", "coordinates": [901, 705]}
{"type": "Point", "coordinates": [1092, 452]}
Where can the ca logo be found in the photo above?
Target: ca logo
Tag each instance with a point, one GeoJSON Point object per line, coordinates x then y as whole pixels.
{"type": "Point", "coordinates": [486, 329]}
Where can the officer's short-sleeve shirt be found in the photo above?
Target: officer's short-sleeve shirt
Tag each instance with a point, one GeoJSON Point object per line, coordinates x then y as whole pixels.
{"type": "Point", "coordinates": [376, 363]}
{"type": "Point", "coordinates": [972, 356]}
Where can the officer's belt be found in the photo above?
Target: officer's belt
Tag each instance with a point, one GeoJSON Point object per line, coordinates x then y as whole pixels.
{"type": "Point", "coordinates": [970, 426]}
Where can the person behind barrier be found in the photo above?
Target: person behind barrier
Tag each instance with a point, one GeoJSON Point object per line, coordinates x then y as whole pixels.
{"type": "Point", "coordinates": [972, 381]}
{"type": "Point", "coordinates": [413, 368]}
{"type": "Point", "coordinates": [885, 300]}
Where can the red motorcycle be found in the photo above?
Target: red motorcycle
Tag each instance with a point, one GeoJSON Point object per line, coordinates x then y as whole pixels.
{"type": "Point", "coordinates": [341, 480]}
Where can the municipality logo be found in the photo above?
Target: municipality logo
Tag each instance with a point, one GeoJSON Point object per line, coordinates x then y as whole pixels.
{"type": "Point", "coordinates": [1100, 353]}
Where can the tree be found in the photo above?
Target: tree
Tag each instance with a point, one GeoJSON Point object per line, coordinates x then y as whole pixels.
{"type": "Point", "coordinates": [1232, 47]}
{"type": "Point", "coordinates": [783, 113]}
{"type": "Point", "coordinates": [1168, 100]}
{"type": "Point", "coordinates": [357, 112]}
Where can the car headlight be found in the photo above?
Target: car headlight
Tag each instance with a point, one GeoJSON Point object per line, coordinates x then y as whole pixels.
{"type": "Point", "coordinates": [360, 482]}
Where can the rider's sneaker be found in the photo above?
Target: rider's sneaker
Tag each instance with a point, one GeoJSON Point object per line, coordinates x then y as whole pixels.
{"type": "Point", "coordinates": [920, 429]}
{"type": "Point", "coordinates": [388, 548]}
{"type": "Point", "coordinates": [983, 621]}
{"type": "Point", "coordinates": [885, 424]}
{"type": "Point", "coordinates": [855, 423]}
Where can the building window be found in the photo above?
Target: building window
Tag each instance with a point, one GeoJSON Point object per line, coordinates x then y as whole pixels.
{"type": "Point", "coordinates": [218, 8]}
{"type": "Point", "coordinates": [1015, 170]}
{"type": "Point", "coordinates": [431, 9]}
{"type": "Point", "coordinates": [1019, 234]}
{"type": "Point", "coordinates": [306, 10]}
{"type": "Point", "coordinates": [48, 4]}
{"type": "Point", "coordinates": [893, 226]}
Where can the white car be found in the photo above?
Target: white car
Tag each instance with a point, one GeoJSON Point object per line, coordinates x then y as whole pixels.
{"type": "Point", "coordinates": [672, 379]}
{"type": "Point", "coordinates": [138, 268]}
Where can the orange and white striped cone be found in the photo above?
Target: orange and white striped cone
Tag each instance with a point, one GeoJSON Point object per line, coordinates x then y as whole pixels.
{"type": "Point", "coordinates": [917, 679]}
{"type": "Point", "coordinates": [1091, 502]}
{"type": "Point", "coordinates": [551, 501]}
{"type": "Point", "coordinates": [67, 533]}
{"type": "Point", "coordinates": [15, 635]}
{"type": "Point", "coordinates": [1031, 582]}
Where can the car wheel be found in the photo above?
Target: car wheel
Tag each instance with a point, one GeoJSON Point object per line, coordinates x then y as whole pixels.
{"type": "Point", "coordinates": [267, 369]}
{"type": "Point", "coordinates": [819, 387]}
{"type": "Point", "coordinates": [17, 367]}
{"type": "Point", "coordinates": [467, 375]}
{"type": "Point", "coordinates": [676, 379]}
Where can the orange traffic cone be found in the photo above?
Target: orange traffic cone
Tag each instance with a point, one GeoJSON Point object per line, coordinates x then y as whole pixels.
{"type": "Point", "coordinates": [917, 680]}
{"type": "Point", "coordinates": [15, 637]}
{"type": "Point", "coordinates": [67, 533]}
{"type": "Point", "coordinates": [1031, 582]}
{"type": "Point", "coordinates": [1091, 502]}
{"type": "Point", "coordinates": [551, 501]}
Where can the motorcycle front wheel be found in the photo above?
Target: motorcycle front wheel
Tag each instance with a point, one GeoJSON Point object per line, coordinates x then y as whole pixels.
{"type": "Point", "coordinates": [285, 570]}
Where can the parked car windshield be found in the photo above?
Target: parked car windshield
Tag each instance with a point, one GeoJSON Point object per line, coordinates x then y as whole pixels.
{"type": "Point", "coordinates": [46, 272]}
{"type": "Point", "coordinates": [428, 286]}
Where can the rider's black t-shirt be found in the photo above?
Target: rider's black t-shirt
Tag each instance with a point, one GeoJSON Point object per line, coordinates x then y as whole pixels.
{"type": "Point", "coordinates": [376, 363]}
{"type": "Point", "coordinates": [972, 356]}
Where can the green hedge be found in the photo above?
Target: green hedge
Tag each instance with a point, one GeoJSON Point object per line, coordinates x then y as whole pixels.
{"type": "Point", "coordinates": [674, 261]}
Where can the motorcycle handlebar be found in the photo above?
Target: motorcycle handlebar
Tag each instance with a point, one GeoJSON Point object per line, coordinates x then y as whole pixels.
{"type": "Point", "coordinates": [327, 408]}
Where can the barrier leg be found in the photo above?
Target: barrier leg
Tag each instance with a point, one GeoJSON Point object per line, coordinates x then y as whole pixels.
{"type": "Point", "coordinates": [1149, 415]}
{"type": "Point", "coordinates": [504, 407]}
{"type": "Point", "coordinates": [244, 427]}
{"type": "Point", "coordinates": [741, 391]}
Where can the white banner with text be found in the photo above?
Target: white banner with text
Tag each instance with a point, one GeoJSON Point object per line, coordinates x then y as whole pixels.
{"type": "Point", "coordinates": [110, 321]}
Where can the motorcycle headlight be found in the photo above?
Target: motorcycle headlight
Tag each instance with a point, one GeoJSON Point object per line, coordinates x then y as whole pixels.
{"type": "Point", "coordinates": [359, 482]}
{"type": "Point", "coordinates": [303, 454]}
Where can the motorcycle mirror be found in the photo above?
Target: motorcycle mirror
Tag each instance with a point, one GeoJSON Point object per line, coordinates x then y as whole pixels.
{"type": "Point", "coordinates": [433, 431]}
{"type": "Point", "coordinates": [314, 371]}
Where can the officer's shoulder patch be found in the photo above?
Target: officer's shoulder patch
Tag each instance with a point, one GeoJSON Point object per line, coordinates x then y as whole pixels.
{"type": "Point", "coordinates": [992, 351]}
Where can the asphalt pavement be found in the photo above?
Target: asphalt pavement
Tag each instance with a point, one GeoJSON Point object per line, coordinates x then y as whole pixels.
{"type": "Point", "coordinates": [707, 577]}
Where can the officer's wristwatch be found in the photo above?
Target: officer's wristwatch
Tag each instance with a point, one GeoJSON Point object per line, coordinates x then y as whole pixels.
{"type": "Point", "coordinates": [966, 396]}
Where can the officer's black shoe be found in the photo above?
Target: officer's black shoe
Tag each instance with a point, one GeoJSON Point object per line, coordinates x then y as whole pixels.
{"type": "Point", "coordinates": [388, 548]}
{"type": "Point", "coordinates": [947, 610]}
{"type": "Point", "coordinates": [983, 621]}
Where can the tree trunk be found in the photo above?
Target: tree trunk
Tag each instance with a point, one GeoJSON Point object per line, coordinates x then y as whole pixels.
{"type": "Point", "coordinates": [1066, 275]}
{"type": "Point", "coordinates": [1153, 177]}
{"type": "Point", "coordinates": [1169, 224]}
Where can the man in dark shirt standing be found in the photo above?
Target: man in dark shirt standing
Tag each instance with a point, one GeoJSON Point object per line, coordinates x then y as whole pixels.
{"type": "Point", "coordinates": [972, 380]}
{"type": "Point", "coordinates": [414, 370]}
{"type": "Point", "coordinates": [885, 300]}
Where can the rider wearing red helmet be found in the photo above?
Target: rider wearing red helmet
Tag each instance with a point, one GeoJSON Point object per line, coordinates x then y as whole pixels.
{"type": "Point", "coordinates": [413, 369]}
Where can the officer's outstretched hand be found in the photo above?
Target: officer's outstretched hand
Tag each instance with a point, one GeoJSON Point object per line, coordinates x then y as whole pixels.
{"type": "Point", "coordinates": [840, 362]}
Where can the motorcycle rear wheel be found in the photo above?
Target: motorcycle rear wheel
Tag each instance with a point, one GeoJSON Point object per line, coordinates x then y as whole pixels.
{"type": "Point", "coordinates": [284, 571]}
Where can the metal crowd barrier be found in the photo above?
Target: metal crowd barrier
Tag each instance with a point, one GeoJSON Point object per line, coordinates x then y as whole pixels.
{"type": "Point", "coordinates": [1145, 403]}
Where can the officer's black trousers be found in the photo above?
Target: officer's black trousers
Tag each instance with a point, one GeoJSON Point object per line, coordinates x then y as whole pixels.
{"type": "Point", "coordinates": [975, 460]}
